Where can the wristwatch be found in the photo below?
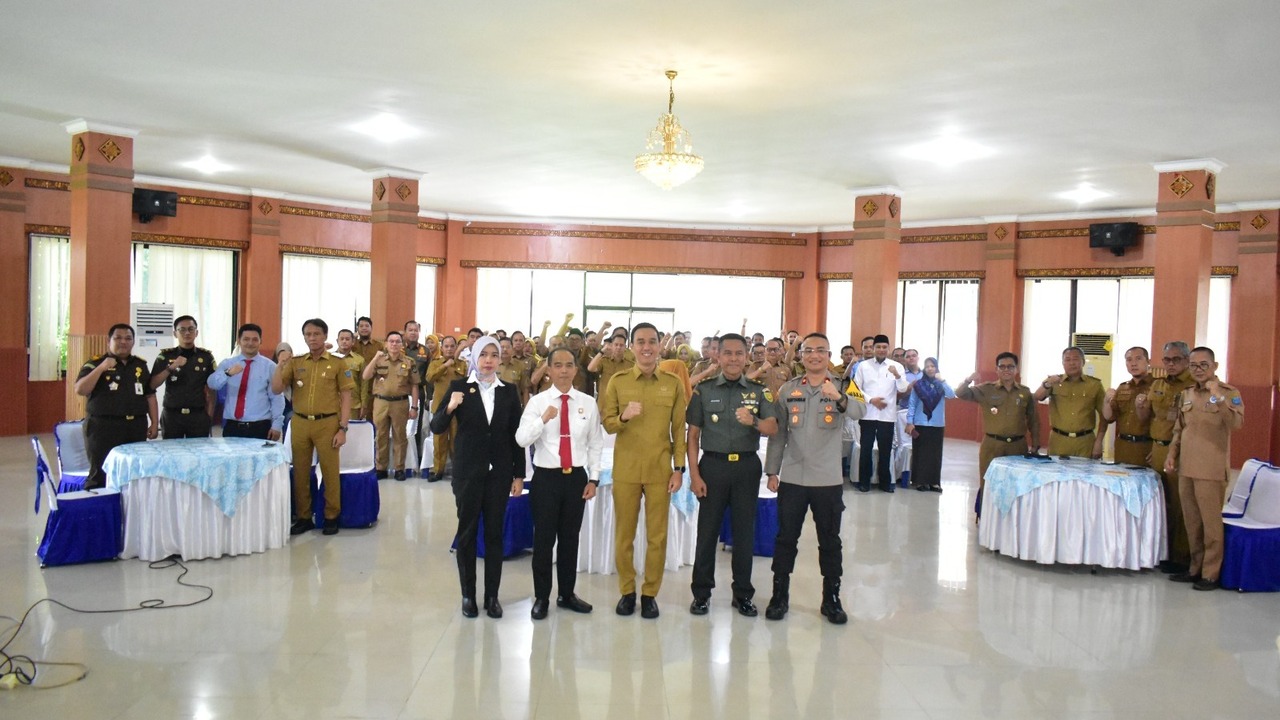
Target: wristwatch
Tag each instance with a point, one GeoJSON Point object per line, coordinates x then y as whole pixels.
{"type": "Point", "coordinates": [343, 427]}
{"type": "Point", "coordinates": [594, 482]}
{"type": "Point", "coordinates": [678, 468]}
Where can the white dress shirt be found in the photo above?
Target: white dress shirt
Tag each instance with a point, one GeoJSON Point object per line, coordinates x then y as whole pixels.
{"type": "Point", "coordinates": [875, 381]}
{"type": "Point", "coordinates": [486, 392]}
{"type": "Point", "coordinates": [586, 434]}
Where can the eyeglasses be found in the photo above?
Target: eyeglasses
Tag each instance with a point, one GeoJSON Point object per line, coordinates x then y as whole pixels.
{"type": "Point", "coordinates": [1006, 367]}
{"type": "Point", "coordinates": [814, 351]}
{"type": "Point", "coordinates": [1202, 366]}
{"type": "Point", "coordinates": [185, 330]}
{"type": "Point", "coordinates": [1174, 358]}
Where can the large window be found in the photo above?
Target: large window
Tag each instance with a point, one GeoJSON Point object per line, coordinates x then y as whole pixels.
{"type": "Point", "coordinates": [939, 318]}
{"type": "Point", "coordinates": [197, 281]}
{"type": "Point", "coordinates": [839, 314]}
{"type": "Point", "coordinates": [335, 290]}
{"type": "Point", "coordinates": [49, 306]}
{"type": "Point", "coordinates": [424, 296]}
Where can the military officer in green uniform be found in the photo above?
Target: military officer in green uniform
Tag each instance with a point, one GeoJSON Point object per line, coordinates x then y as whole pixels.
{"type": "Point", "coordinates": [1075, 408]}
{"type": "Point", "coordinates": [1163, 409]}
{"type": "Point", "coordinates": [122, 404]}
{"type": "Point", "coordinates": [184, 371]}
{"type": "Point", "coordinates": [1120, 406]}
{"type": "Point", "coordinates": [726, 417]}
{"type": "Point", "coordinates": [1010, 424]}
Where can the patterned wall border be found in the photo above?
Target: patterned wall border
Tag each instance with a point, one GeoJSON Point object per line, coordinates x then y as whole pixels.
{"type": "Point", "coordinates": [786, 274]}
{"type": "Point", "coordinates": [1087, 272]}
{"type": "Point", "coordinates": [218, 243]}
{"type": "Point", "coordinates": [945, 238]}
{"type": "Point", "coordinates": [634, 235]}
{"type": "Point", "coordinates": [943, 275]}
{"type": "Point", "coordinates": [835, 242]}
{"type": "Point", "coordinates": [42, 184]}
{"type": "Point", "coordinates": [324, 214]}
{"type": "Point", "coordinates": [426, 225]}
{"type": "Point", "coordinates": [55, 230]}
{"type": "Point", "coordinates": [323, 252]}
{"type": "Point", "coordinates": [429, 260]}
{"type": "Point", "coordinates": [213, 202]}
{"type": "Point", "coordinates": [835, 276]}
{"type": "Point", "coordinates": [1225, 270]}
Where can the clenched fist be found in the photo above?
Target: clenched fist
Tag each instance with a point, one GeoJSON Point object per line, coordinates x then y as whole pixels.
{"type": "Point", "coordinates": [550, 413]}
{"type": "Point", "coordinates": [744, 416]}
{"type": "Point", "coordinates": [455, 400]}
{"type": "Point", "coordinates": [633, 409]}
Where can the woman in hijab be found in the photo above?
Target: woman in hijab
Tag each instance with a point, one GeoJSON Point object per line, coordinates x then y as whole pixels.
{"type": "Point", "coordinates": [926, 418]}
{"type": "Point", "coordinates": [488, 467]}
{"type": "Point", "coordinates": [678, 368]}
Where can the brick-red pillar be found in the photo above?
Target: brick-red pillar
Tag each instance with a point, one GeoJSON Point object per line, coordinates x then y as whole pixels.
{"type": "Point", "coordinates": [877, 231]}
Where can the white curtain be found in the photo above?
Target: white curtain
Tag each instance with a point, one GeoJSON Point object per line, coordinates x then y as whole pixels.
{"type": "Point", "coordinates": [839, 315]}
{"type": "Point", "coordinates": [50, 306]}
{"type": "Point", "coordinates": [1046, 329]}
{"type": "Point", "coordinates": [335, 290]}
{"type": "Point", "coordinates": [1217, 335]}
{"type": "Point", "coordinates": [197, 281]}
{"type": "Point", "coordinates": [939, 318]}
{"type": "Point", "coordinates": [424, 310]}
{"type": "Point", "coordinates": [502, 301]}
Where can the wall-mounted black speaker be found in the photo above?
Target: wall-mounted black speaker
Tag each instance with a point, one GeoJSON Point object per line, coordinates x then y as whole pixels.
{"type": "Point", "coordinates": [150, 203]}
{"type": "Point", "coordinates": [1114, 236]}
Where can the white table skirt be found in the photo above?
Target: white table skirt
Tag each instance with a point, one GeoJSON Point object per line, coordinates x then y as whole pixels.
{"type": "Point", "coordinates": [1076, 523]}
{"type": "Point", "coordinates": [595, 543]}
{"type": "Point", "coordinates": [163, 517]}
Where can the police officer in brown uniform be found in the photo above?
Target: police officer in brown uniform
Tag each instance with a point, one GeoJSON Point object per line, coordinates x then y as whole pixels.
{"type": "Point", "coordinates": [1120, 406]}
{"type": "Point", "coordinates": [346, 341]}
{"type": "Point", "coordinates": [775, 370]}
{"type": "Point", "coordinates": [395, 402]}
{"type": "Point", "coordinates": [1208, 412]}
{"type": "Point", "coordinates": [121, 401]}
{"type": "Point", "coordinates": [322, 386]}
{"type": "Point", "coordinates": [1075, 408]}
{"type": "Point", "coordinates": [511, 371]}
{"type": "Point", "coordinates": [184, 371]}
{"type": "Point", "coordinates": [1163, 409]}
{"type": "Point", "coordinates": [366, 347]}
{"type": "Point", "coordinates": [611, 361]}
{"type": "Point", "coordinates": [442, 371]}
{"type": "Point", "coordinates": [1010, 424]}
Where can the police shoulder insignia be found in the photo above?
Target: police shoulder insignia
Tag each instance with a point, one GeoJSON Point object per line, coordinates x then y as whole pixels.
{"type": "Point", "coordinates": [348, 372]}
{"type": "Point", "coordinates": [1235, 400]}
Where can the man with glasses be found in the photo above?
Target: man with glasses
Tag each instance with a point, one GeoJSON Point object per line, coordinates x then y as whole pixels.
{"type": "Point", "coordinates": [1075, 408]}
{"type": "Point", "coordinates": [184, 371]}
{"type": "Point", "coordinates": [1009, 421]}
{"type": "Point", "coordinates": [1162, 410]}
{"type": "Point", "coordinates": [1208, 412]}
{"type": "Point", "coordinates": [1133, 439]}
{"type": "Point", "coordinates": [775, 369]}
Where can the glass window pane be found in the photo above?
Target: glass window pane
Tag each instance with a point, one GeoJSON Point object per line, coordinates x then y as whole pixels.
{"type": "Point", "coordinates": [608, 289]}
{"type": "Point", "coordinates": [335, 290]}
{"type": "Point", "coordinates": [919, 317]}
{"type": "Point", "coordinates": [958, 334]}
{"type": "Point", "coordinates": [197, 281]}
{"type": "Point", "coordinates": [654, 290]}
{"type": "Point", "coordinates": [424, 299]}
{"type": "Point", "coordinates": [49, 306]}
{"type": "Point", "coordinates": [710, 304]}
{"type": "Point", "coordinates": [1217, 336]}
{"type": "Point", "coordinates": [1133, 325]}
{"type": "Point", "coordinates": [1046, 329]}
{"type": "Point", "coordinates": [555, 294]}
{"type": "Point", "coordinates": [839, 313]}
{"type": "Point", "coordinates": [502, 300]}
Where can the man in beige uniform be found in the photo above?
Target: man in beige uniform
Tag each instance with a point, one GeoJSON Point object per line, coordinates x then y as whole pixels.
{"type": "Point", "coordinates": [1133, 438]}
{"type": "Point", "coordinates": [1075, 408]}
{"type": "Point", "coordinates": [444, 369]}
{"type": "Point", "coordinates": [346, 340]}
{"type": "Point", "coordinates": [1163, 408]}
{"type": "Point", "coordinates": [645, 408]}
{"type": "Point", "coordinates": [776, 370]}
{"type": "Point", "coordinates": [395, 402]}
{"type": "Point", "coordinates": [366, 347]}
{"type": "Point", "coordinates": [1208, 412]}
{"type": "Point", "coordinates": [1010, 423]}
{"type": "Point", "coordinates": [611, 361]}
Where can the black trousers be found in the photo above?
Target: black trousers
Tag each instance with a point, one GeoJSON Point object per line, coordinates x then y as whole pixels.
{"type": "Point", "coordinates": [734, 485]}
{"type": "Point", "coordinates": [827, 504]}
{"type": "Point", "coordinates": [557, 504]}
{"type": "Point", "coordinates": [102, 434]}
{"type": "Point", "coordinates": [255, 429]}
{"type": "Point", "coordinates": [174, 425]}
{"type": "Point", "coordinates": [926, 456]}
{"type": "Point", "coordinates": [484, 495]}
{"type": "Point", "coordinates": [876, 432]}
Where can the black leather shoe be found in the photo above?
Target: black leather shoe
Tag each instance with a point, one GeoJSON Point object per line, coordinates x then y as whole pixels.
{"type": "Point", "coordinates": [469, 609]}
{"type": "Point", "coordinates": [400, 475]}
{"type": "Point", "coordinates": [1206, 585]}
{"type": "Point", "coordinates": [648, 607]}
{"type": "Point", "coordinates": [1168, 567]}
{"type": "Point", "coordinates": [381, 474]}
{"type": "Point", "coordinates": [833, 610]}
{"type": "Point", "coordinates": [433, 476]}
{"type": "Point", "coordinates": [300, 526]}
{"type": "Point", "coordinates": [887, 488]}
{"type": "Point", "coordinates": [626, 605]}
{"type": "Point", "coordinates": [330, 527]}
{"type": "Point", "coordinates": [781, 600]}
{"type": "Point", "coordinates": [746, 608]}
{"type": "Point", "coordinates": [574, 603]}
{"type": "Point", "coordinates": [700, 606]}
{"type": "Point", "coordinates": [1185, 577]}
{"type": "Point", "coordinates": [492, 607]}
{"type": "Point", "coordinates": [863, 488]}
{"type": "Point", "coordinates": [539, 611]}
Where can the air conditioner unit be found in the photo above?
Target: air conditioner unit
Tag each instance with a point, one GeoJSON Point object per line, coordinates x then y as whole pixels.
{"type": "Point", "coordinates": [152, 324]}
{"type": "Point", "coordinates": [1097, 349]}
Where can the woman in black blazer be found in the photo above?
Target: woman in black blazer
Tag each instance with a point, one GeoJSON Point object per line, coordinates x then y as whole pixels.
{"type": "Point", "coordinates": [488, 467]}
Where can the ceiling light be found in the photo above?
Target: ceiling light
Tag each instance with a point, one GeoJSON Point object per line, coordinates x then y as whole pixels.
{"type": "Point", "coordinates": [670, 160]}
{"type": "Point", "coordinates": [948, 150]}
{"type": "Point", "coordinates": [207, 165]}
{"type": "Point", "coordinates": [385, 127]}
{"type": "Point", "coordinates": [1084, 193]}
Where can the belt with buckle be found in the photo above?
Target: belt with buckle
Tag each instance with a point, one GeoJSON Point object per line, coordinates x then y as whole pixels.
{"type": "Point", "coordinates": [1135, 438]}
{"type": "Point", "coordinates": [186, 410]}
{"type": "Point", "coordinates": [390, 398]}
{"type": "Point", "coordinates": [1163, 443]}
{"type": "Point", "coordinates": [1081, 433]}
{"type": "Point", "coordinates": [321, 416]}
{"type": "Point", "coordinates": [1005, 439]}
{"type": "Point", "coordinates": [730, 457]}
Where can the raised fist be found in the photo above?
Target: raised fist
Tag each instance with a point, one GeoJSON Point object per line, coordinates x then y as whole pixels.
{"type": "Point", "coordinates": [550, 413]}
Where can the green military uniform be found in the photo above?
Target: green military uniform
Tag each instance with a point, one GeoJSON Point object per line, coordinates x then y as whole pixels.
{"type": "Point", "coordinates": [395, 391]}
{"type": "Point", "coordinates": [186, 411]}
{"type": "Point", "coordinates": [1075, 415]}
{"type": "Point", "coordinates": [1133, 434]}
{"type": "Point", "coordinates": [318, 384]}
{"type": "Point", "coordinates": [1008, 417]}
{"type": "Point", "coordinates": [365, 349]}
{"type": "Point", "coordinates": [1164, 396]}
{"type": "Point", "coordinates": [116, 412]}
{"type": "Point", "coordinates": [731, 469]}
{"type": "Point", "coordinates": [649, 447]}
{"type": "Point", "coordinates": [440, 374]}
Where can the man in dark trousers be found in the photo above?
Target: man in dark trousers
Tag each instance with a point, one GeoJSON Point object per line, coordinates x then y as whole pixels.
{"type": "Point", "coordinates": [122, 403]}
{"type": "Point", "coordinates": [184, 371]}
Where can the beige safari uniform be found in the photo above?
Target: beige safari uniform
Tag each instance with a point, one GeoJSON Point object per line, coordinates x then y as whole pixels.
{"type": "Point", "coordinates": [1075, 409]}
{"type": "Point", "coordinates": [1008, 416]}
{"type": "Point", "coordinates": [608, 368]}
{"type": "Point", "coordinates": [318, 385]}
{"type": "Point", "coordinates": [395, 389]}
{"type": "Point", "coordinates": [356, 363]}
{"type": "Point", "coordinates": [1133, 434]}
{"type": "Point", "coordinates": [1165, 395]}
{"type": "Point", "coordinates": [440, 376]}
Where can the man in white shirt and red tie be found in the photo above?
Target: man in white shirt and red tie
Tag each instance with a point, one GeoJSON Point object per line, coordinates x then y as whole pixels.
{"type": "Point", "coordinates": [563, 426]}
{"type": "Point", "coordinates": [251, 410]}
{"type": "Point", "coordinates": [880, 380]}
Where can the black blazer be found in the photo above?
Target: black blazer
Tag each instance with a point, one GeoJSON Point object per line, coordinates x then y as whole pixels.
{"type": "Point", "coordinates": [478, 443]}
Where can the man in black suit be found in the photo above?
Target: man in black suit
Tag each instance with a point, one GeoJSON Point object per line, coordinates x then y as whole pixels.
{"type": "Point", "coordinates": [488, 466]}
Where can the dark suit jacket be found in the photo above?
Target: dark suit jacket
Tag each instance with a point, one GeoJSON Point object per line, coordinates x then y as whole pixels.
{"type": "Point", "coordinates": [479, 443]}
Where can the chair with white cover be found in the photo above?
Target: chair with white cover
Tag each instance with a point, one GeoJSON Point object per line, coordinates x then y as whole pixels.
{"type": "Point", "coordinates": [411, 450]}
{"type": "Point", "coordinates": [1251, 551]}
{"type": "Point", "coordinates": [1239, 497]}
{"type": "Point", "coordinates": [73, 459]}
{"type": "Point", "coordinates": [361, 500]}
{"type": "Point", "coordinates": [83, 526]}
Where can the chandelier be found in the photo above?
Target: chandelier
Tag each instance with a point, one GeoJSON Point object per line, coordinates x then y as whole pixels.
{"type": "Point", "coordinates": [670, 160]}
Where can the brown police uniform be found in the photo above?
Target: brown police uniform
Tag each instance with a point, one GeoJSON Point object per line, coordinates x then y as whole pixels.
{"type": "Point", "coordinates": [511, 372]}
{"type": "Point", "coordinates": [774, 377]}
{"type": "Point", "coordinates": [366, 349]}
{"type": "Point", "coordinates": [649, 447]}
{"type": "Point", "coordinates": [1008, 417]}
{"type": "Point", "coordinates": [440, 375]}
{"type": "Point", "coordinates": [395, 390]}
{"type": "Point", "coordinates": [186, 412]}
{"type": "Point", "coordinates": [318, 384]}
{"type": "Point", "coordinates": [1133, 434]}
{"type": "Point", "coordinates": [116, 412]}
{"type": "Point", "coordinates": [608, 368]}
{"type": "Point", "coordinates": [1201, 448]}
{"type": "Point", "coordinates": [1075, 414]}
{"type": "Point", "coordinates": [356, 363]}
{"type": "Point", "coordinates": [1165, 395]}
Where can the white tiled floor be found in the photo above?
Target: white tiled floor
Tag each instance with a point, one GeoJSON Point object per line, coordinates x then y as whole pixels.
{"type": "Point", "coordinates": [365, 625]}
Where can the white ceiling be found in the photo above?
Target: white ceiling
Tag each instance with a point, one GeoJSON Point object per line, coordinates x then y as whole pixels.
{"type": "Point", "coordinates": [535, 109]}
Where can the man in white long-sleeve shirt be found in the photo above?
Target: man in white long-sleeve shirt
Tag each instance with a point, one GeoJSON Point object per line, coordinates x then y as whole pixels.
{"type": "Point", "coordinates": [563, 425]}
{"type": "Point", "coordinates": [880, 380]}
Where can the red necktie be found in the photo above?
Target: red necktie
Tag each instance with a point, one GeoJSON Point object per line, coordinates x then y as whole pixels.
{"type": "Point", "coordinates": [244, 388]}
{"type": "Point", "coordinates": [566, 448]}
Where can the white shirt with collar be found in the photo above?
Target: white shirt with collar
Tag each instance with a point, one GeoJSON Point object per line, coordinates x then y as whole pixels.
{"type": "Point", "coordinates": [487, 391]}
{"type": "Point", "coordinates": [875, 381]}
{"type": "Point", "coordinates": [586, 434]}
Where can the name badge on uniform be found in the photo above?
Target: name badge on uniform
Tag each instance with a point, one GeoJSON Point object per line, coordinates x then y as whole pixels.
{"type": "Point", "coordinates": [137, 388]}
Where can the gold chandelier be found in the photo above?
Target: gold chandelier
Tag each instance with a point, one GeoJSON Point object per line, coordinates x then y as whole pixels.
{"type": "Point", "coordinates": [670, 160]}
